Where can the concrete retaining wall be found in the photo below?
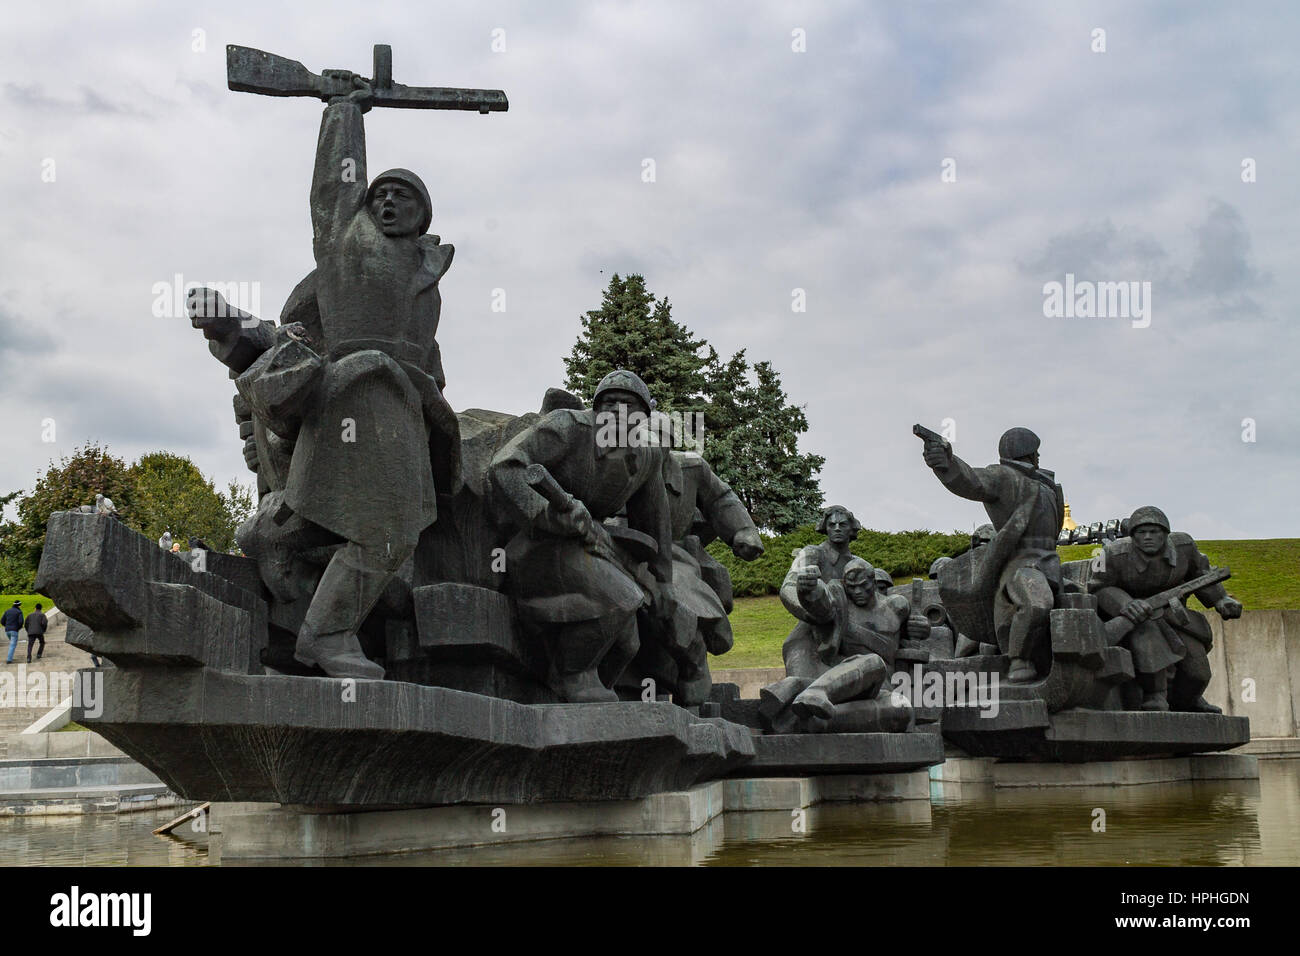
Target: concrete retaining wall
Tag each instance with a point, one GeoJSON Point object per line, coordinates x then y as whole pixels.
{"type": "Point", "coordinates": [64, 743]}
{"type": "Point", "coordinates": [74, 773]}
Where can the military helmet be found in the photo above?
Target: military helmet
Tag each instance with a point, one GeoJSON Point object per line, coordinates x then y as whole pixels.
{"type": "Point", "coordinates": [858, 571]}
{"type": "Point", "coordinates": [1147, 514]}
{"type": "Point", "coordinates": [938, 563]}
{"type": "Point", "coordinates": [1017, 443]}
{"type": "Point", "coordinates": [410, 179]}
{"type": "Point", "coordinates": [626, 381]}
{"type": "Point", "coordinates": [884, 577]}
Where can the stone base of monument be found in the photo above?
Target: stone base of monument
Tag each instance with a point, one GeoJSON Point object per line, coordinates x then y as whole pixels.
{"type": "Point", "coordinates": [286, 832]}
{"type": "Point", "coordinates": [328, 743]}
{"type": "Point", "coordinates": [986, 771]}
{"type": "Point", "coordinates": [824, 754]}
{"type": "Point", "coordinates": [1024, 730]}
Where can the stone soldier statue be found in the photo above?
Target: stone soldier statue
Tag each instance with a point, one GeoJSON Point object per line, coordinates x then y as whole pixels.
{"type": "Point", "coordinates": [1170, 644]}
{"type": "Point", "coordinates": [884, 580]}
{"type": "Point", "coordinates": [703, 508]}
{"type": "Point", "coordinates": [846, 648]}
{"type": "Point", "coordinates": [829, 558]}
{"type": "Point", "coordinates": [1026, 507]}
{"type": "Point", "coordinates": [559, 480]}
{"type": "Point", "coordinates": [350, 392]}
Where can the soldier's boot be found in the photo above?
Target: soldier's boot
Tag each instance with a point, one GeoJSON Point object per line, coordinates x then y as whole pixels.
{"type": "Point", "coordinates": [1033, 599]}
{"type": "Point", "coordinates": [860, 676]}
{"type": "Point", "coordinates": [1188, 680]}
{"type": "Point", "coordinates": [347, 591]}
{"type": "Point", "coordinates": [1027, 625]}
{"type": "Point", "coordinates": [582, 647]}
{"type": "Point", "coordinates": [693, 689]}
{"type": "Point", "coordinates": [776, 697]}
{"type": "Point", "coordinates": [1154, 691]}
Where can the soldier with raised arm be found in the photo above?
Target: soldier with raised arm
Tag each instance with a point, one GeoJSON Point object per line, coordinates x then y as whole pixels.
{"type": "Point", "coordinates": [355, 392]}
{"type": "Point", "coordinates": [1026, 507]}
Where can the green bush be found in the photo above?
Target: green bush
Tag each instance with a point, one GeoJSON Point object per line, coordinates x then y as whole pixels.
{"type": "Point", "coordinates": [901, 553]}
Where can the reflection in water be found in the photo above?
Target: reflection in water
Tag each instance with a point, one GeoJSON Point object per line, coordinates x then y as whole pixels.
{"type": "Point", "coordinates": [1207, 823]}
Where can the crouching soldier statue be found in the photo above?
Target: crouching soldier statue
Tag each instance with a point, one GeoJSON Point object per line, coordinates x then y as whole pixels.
{"type": "Point", "coordinates": [844, 650]}
{"type": "Point", "coordinates": [1169, 644]}
{"type": "Point", "coordinates": [573, 588]}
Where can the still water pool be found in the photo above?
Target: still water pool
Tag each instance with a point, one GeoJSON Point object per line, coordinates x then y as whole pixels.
{"type": "Point", "coordinates": [1206, 823]}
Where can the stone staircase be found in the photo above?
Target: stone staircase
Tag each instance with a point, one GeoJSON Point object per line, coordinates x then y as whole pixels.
{"type": "Point", "coordinates": [60, 657]}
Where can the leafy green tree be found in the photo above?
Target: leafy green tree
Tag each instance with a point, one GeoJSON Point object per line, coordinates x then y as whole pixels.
{"type": "Point", "coordinates": [751, 430]}
{"type": "Point", "coordinates": [160, 492]}
{"type": "Point", "coordinates": [171, 494]}
{"type": "Point", "coordinates": [72, 482]}
{"type": "Point", "coordinates": [631, 330]}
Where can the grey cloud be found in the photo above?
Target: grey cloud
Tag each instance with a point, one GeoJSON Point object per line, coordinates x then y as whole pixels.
{"type": "Point", "coordinates": [33, 96]}
{"type": "Point", "coordinates": [1222, 266]}
{"type": "Point", "coordinates": [818, 170]}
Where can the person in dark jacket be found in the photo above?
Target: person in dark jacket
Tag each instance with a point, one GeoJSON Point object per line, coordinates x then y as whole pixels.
{"type": "Point", "coordinates": [12, 620]}
{"type": "Point", "coordinates": [35, 626]}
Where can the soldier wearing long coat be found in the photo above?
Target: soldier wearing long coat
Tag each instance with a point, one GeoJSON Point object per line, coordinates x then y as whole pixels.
{"type": "Point", "coordinates": [348, 397]}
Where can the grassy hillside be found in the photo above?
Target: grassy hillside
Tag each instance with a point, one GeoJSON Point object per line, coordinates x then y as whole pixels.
{"type": "Point", "coordinates": [1265, 576]}
{"type": "Point", "coordinates": [1265, 572]}
{"type": "Point", "coordinates": [29, 602]}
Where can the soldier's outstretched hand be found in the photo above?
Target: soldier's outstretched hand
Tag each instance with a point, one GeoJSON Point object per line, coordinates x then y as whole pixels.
{"type": "Point", "coordinates": [937, 454]}
{"type": "Point", "coordinates": [747, 545]}
{"type": "Point", "coordinates": [209, 311]}
{"type": "Point", "coordinates": [1229, 608]}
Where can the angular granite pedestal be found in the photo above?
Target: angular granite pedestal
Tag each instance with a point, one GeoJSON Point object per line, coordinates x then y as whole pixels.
{"type": "Point", "coordinates": [1024, 730]}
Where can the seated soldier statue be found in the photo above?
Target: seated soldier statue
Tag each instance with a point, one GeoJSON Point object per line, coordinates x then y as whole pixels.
{"type": "Point", "coordinates": [846, 649]}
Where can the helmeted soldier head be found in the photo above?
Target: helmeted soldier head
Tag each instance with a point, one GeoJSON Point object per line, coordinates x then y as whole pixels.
{"type": "Point", "coordinates": [618, 387]}
{"type": "Point", "coordinates": [838, 524]}
{"type": "Point", "coordinates": [399, 203]}
{"type": "Point", "coordinates": [884, 580]}
{"type": "Point", "coordinates": [982, 535]}
{"type": "Point", "coordinates": [1019, 444]}
{"type": "Point", "coordinates": [938, 563]}
{"type": "Point", "coordinates": [859, 581]}
{"type": "Point", "coordinates": [1149, 529]}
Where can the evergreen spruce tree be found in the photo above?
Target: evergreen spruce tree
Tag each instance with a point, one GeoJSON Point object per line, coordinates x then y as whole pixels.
{"type": "Point", "coordinates": [631, 330]}
{"type": "Point", "coordinates": [751, 440]}
{"type": "Point", "coordinates": [751, 430]}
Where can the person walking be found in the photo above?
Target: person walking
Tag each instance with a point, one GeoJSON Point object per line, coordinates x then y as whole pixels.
{"type": "Point", "coordinates": [12, 620]}
{"type": "Point", "coordinates": [35, 626]}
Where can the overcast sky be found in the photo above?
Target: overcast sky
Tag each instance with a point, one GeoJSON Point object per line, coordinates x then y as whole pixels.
{"type": "Point", "coordinates": [775, 170]}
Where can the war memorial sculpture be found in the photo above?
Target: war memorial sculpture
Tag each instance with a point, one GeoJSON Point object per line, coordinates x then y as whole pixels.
{"type": "Point", "coordinates": [439, 607]}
